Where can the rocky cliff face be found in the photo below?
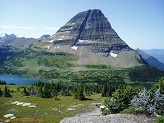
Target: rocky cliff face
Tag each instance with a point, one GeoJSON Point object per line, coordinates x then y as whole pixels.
{"type": "Point", "coordinates": [91, 29]}
{"type": "Point", "coordinates": [90, 36]}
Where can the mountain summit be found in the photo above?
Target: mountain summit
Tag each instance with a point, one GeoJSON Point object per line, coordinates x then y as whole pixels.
{"type": "Point", "coordinates": [90, 36]}
{"type": "Point", "coordinates": [90, 27]}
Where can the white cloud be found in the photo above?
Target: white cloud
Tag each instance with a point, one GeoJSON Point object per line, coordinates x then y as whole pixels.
{"type": "Point", "coordinates": [18, 27]}
{"type": "Point", "coordinates": [51, 28]}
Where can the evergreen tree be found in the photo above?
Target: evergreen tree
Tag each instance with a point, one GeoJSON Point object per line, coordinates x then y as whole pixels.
{"type": "Point", "coordinates": [52, 86]}
{"type": "Point", "coordinates": [46, 90]}
{"type": "Point", "coordinates": [25, 93]}
{"type": "Point", "coordinates": [65, 91]}
{"type": "Point", "coordinates": [54, 94]}
{"type": "Point", "coordinates": [41, 92]}
{"type": "Point", "coordinates": [6, 92]}
{"type": "Point", "coordinates": [120, 99]}
{"type": "Point", "coordinates": [58, 87]}
{"type": "Point", "coordinates": [1, 92]}
{"type": "Point", "coordinates": [95, 88]}
{"type": "Point", "coordinates": [104, 90]}
{"type": "Point", "coordinates": [2, 82]}
{"type": "Point", "coordinates": [87, 89]}
{"type": "Point", "coordinates": [160, 85]}
{"type": "Point", "coordinates": [78, 93]}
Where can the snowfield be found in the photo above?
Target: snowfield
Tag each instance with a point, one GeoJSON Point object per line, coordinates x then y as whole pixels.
{"type": "Point", "coordinates": [113, 54]}
{"type": "Point", "coordinates": [74, 47]}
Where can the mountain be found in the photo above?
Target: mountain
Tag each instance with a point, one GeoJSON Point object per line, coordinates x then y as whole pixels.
{"type": "Point", "coordinates": [5, 38]}
{"type": "Point", "coordinates": [44, 36]}
{"type": "Point", "coordinates": [157, 53]}
{"type": "Point", "coordinates": [152, 61]}
{"type": "Point", "coordinates": [90, 36]}
{"type": "Point", "coordinates": [85, 47]}
{"type": "Point", "coordinates": [14, 41]}
{"type": "Point", "coordinates": [4, 35]}
{"type": "Point", "coordinates": [11, 45]}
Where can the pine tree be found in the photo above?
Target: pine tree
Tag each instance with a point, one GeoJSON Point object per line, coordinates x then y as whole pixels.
{"type": "Point", "coordinates": [46, 90]}
{"type": "Point", "coordinates": [58, 87]}
{"type": "Point", "coordinates": [104, 90]}
{"type": "Point", "coordinates": [95, 88]}
{"type": "Point", "coordinates": [54, 94]}
{"type": "Point", "coordinates": [1, 92]}
{"type": "Point", "coordinates": [41, 92]}
{"type": "Point", "coordinates": [25, 93]}
{"type": "Point", "coordinates": [6, 92]}
{"type": "Point", "coordinates": [78, 92]}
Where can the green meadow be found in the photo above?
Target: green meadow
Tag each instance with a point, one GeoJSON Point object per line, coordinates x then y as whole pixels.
{"type": "Point", "coordinates": [47, 109]}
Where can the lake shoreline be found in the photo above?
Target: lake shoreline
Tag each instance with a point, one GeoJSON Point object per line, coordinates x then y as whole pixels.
{"type": "Point", "coordinates": [18, 79]}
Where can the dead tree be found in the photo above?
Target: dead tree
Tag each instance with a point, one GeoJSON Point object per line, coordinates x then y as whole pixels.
{"type": "Point", "coordinates": [143, 100]}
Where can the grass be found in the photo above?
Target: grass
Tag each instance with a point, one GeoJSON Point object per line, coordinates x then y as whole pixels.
{"type": "Point", "coordinates": [30, 63]}
{"type": "Point", "coordinates": [48, 109]}
{"type": "Point", "coordinates": [99, 66]}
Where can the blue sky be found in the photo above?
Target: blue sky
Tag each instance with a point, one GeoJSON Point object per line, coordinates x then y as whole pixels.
{"type": "Point", "coordinates": [140, 23]}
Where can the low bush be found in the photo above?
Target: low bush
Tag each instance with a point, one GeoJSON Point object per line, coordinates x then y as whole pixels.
{"type": "Point", "coordinates": [160, 119]}
{"type": "Point", "coordinates": [132, 111]}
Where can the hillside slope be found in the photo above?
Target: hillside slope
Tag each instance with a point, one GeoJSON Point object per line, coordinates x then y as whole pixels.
{"type": "Point", "coordinates": [11, 44]}
{"type": "Point", "coordinates": [152, 61]}
{"type": "Point", "coordinates": [157, 53]}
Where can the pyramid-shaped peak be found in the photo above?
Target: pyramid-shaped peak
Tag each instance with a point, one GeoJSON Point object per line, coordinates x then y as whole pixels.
{"type": "Point", "coordinates": [92, 28]}
{"type": "Point", "coordinates": [87, 25]}
{"type": "Point", "coordinates": [85, 17]}
{"type": "Point", "coordinates": [90, 36]}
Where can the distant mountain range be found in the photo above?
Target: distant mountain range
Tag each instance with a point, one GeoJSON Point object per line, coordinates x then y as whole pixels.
{"type": "Point", "coordinates": [151, 60]}
{"type": "Point", "coordinates": [4, 35]}
{"type": "Point", "coordinates": [12, 44]}
{"type": "Point", "coordinates": [44, 36]}
{"type": "Point", "coordinates": [157, 53]}
{"type": "Point", "coordinates": [13, 41]}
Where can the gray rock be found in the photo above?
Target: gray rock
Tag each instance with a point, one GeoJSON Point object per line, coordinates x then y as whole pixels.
{"type": "Point", "coordinates": [92, 29]}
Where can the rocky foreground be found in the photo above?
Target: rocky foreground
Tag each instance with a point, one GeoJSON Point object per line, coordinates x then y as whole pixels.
{"type": "Point", "coordinates": [96, 117]}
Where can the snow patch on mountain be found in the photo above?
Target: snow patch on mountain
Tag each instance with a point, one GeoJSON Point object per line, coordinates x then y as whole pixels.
{"type": "Point", "coordinates": [113, 54]}
{"type": "Point", "coordinates": [74, 47]}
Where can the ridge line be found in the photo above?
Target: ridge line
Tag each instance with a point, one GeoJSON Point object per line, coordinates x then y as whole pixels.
{"type": "Point", "coordinates": [82, 27]}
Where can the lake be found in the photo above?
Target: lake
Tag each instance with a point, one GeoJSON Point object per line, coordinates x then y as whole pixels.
{"type": "Point", "coordinates": [18, 80]}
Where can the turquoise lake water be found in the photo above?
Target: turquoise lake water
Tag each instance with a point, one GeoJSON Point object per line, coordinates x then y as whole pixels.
{"type": "Point", "coordinates": [18, 80]}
